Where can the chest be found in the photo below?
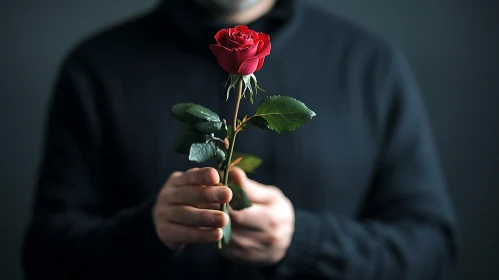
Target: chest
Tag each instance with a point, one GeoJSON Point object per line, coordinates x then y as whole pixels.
{"type": "Point", "coordinates": [325, 164]}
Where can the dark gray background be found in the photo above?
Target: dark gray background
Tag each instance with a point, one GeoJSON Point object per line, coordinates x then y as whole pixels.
{"type": "Point", "coordinates": [453, 46]}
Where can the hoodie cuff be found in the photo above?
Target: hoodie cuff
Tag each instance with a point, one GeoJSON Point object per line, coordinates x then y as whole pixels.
{"type": "Point", "coordinates": [303, 249]}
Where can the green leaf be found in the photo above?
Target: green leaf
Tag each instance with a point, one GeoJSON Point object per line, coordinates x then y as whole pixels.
{"type": "Point", "coordinates": [240, 199]}
{"type": "Point", "coordinates": [284, 113]}
{"type": "Point", "coordinates": [201, 152]}
{"type": "Point", "coordinates": [193, 113]}
{"type": "Point", "coordinates": [219, 156]}
{"type": "Point", "coordinates": [179, 111]}
{"type": "Point", "coordinates": [208, 127]}
{"type": "Point", "coordinates": [199, 113]}
{"type": "Point", "coordinates": [227, 231]}
{"type": "Point", "coordinates": [260, 122]}
{"type": "Point", "coordinates": [186, 137]}
{"type": "Point", "coordinates": [249, 163]}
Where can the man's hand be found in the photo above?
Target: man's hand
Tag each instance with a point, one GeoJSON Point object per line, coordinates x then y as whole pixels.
{"type": "Point", "coordinates": [261, 234]}
{"type": "Point", "coordinates": [187, 208]}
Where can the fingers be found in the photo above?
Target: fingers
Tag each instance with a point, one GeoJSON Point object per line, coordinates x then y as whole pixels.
{"type": "Point", "coordinates": [238, 176]}
{"type": "Point", "coordinates": [253, 218]}
{"type": "Point", "coordinates": [194, 195]}
{"type": "Point", "coordinates": [248, 248]}
{"type": "Point", "coordinates": [195, 217]}
{"type": "Point", "coordinates": [257, 193]}
{"type": "Point", "coordinates": [176, 235]}
{"type": "Point", "coordinates": [187, 209]}
{"type": "Point", "coordinates": [208, 206]}
{"type": "Point", "coordinates": [195, 176]}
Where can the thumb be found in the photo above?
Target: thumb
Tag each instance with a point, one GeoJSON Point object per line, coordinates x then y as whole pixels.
{"type": "Point", "coordinates": [238, 176]}
{"type": "Point", "coordinates": [256, 192]}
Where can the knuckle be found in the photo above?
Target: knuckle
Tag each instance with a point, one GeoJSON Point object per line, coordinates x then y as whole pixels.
{"type": "Point", "coordinates": [178, 215]}
{"type": "Point", "coordinates": [165, 195]}
{"type": "Point", "coordinates": [209, 219]}
{"type": "Point", "coordinates": [211, 176]}
{"type": "Point", "coordinates": [205, 219]}
{"type": "Point", "coordinates": [208, 169]}
{"type": "Point", "coordinates": [273, 222]}
{"type": "Point", "coordinates": [272, 239]}
{"type": "Point", "coordinates": [277, 191]}
{"type": "Point", "coordinates": [185, 218]}
{"type": "Point", "coordinates": [192, 175]}
{"type": "Point", "coordinates": [181, 195]}
{"type": "Point", "coordinates": [175, 175]}
{"type": "Point", "coordinates": [208, 195]}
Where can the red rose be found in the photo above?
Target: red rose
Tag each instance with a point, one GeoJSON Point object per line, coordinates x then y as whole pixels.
{"type": "Point", "coordinates": [241, 51]}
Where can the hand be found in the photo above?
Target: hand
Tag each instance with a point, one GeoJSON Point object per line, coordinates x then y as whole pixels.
{"type": "Point", "coordinates": [187, 208]}
{"type": "Point", "coordinates": [261, 234]}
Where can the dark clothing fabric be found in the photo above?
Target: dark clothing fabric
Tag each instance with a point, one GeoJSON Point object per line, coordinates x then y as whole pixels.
{"type": "Point", "coordinates": [369, 194]}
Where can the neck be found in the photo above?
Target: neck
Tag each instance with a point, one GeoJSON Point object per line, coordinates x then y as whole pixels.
{"type": "Point", "coordinates": [245, 16]}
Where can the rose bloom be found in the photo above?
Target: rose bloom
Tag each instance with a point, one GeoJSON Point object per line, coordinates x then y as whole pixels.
{"type": "Point", "coordinates": [240, 50]}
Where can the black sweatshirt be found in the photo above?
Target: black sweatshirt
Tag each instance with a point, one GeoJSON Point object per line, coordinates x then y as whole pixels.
{"type": "Point", "coordinates": [363, 175]}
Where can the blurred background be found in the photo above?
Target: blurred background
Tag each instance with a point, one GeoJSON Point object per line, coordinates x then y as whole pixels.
{"type": "Point", "coordinates": [453, 46]}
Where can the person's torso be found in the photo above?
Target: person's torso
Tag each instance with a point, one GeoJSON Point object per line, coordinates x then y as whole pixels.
{"type": "Point", "coordinates": [325, 165]}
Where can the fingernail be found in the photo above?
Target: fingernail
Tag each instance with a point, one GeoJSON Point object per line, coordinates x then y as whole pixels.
{"type": "Point", "coordinates": [221, 194]}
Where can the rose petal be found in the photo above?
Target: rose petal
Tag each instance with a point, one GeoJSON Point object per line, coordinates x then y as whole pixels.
{"type": "Point", "coordinates": [263, 37]}
{"type": "Point", "coordinates": [214, 49]}
{"type": "Point", "coordinates": [221, 36]}
{"type": "Point", "coordinates": [247, 46]}
{"type": "Point", "coordinates": [253, 64]}
{"type": "Point", "coordinates": [240, 55]}
{"type": "Point", "coordinates": [248, 67]}
{"type": "Point", "coordinates": [241, 50]}
{"type": "Point", "coordinates": [225, 58]}
{"type": "Point", "coordinates": [264, 48]}
{"type": "Point", "coordinates": [242, 28]}
{"type": "Point", "coordinates": [231, 31]}
{"type": "Point", "coordinates": [244, 41]}
{"type": "Point", "coordinates": [232, 44]}
{"type": "Point", "coordinates": [254, 35]}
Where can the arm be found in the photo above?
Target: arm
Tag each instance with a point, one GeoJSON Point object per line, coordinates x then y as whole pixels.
{"type": "Point", "coordinates": [72, 235]}
{"type": "Point", "coordinates": [407, 228]}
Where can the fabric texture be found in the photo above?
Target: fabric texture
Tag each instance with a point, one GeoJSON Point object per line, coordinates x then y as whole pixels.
{"type": "Point", "coordinates": [363, 176]}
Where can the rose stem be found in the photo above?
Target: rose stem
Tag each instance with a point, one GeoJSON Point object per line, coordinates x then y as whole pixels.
{"type": "Point", "coordinates": [223, 207]}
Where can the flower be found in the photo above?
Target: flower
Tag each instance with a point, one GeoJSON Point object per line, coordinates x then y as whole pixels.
{"type": "Point", "coordinates": [240, 50]}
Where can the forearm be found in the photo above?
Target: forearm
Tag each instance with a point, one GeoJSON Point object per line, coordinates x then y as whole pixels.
{"type": "Point", "coordinates": [75, 246]}
{"type": "Point", "coordinates": [330, 247]}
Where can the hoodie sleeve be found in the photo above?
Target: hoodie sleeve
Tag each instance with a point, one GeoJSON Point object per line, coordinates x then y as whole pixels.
{"type": "Point", "coordinates": [71, 234]}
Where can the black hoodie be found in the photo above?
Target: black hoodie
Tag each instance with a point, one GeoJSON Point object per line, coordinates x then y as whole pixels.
{"type": "Point", "coordinates": [369, 195]}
